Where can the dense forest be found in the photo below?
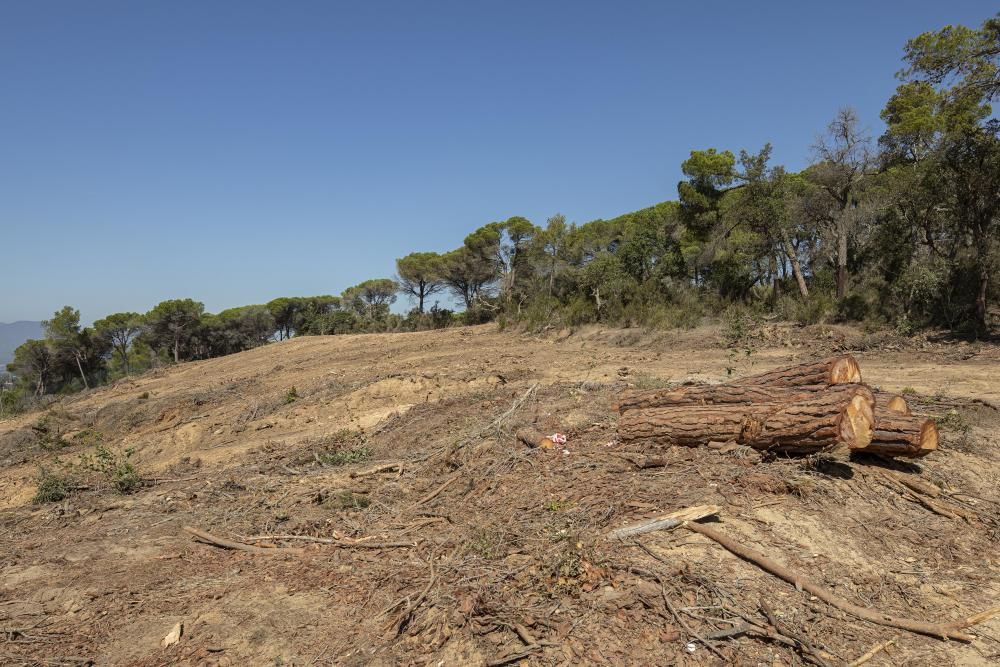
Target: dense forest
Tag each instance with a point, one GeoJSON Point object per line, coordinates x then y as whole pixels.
{"type": "Point", "coordinates": [899, 231]}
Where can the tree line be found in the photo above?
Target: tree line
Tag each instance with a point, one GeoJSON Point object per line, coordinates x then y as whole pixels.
{"type": "Point", "coordinates": [899, 230]}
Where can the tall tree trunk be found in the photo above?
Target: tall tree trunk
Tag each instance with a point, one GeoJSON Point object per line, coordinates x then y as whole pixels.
{"type": "Point", "coordinates": [984, 281]}
{"type": "Point", "coordinates": [83, 376]}
{"type": "Point", "coordinates": [841, 262]}
{"type": "Point", "coordinates": [793, 258]}
{"type": "Point", "coordinates": [123, 352]}
{"type": "Point", "coordinates": [775, 278]}
{"type": "Point", "coordinates": [177, 351]}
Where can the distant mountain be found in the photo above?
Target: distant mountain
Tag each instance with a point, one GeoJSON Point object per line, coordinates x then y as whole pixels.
{"type": "Point", "coordinates": [12, 335]}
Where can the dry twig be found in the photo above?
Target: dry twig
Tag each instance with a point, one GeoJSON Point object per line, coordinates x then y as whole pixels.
{"type": "Point", "coordinates": [239, 546]}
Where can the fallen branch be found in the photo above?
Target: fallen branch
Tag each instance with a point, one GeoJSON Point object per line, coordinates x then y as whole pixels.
{"type": "Point", "coordinates": [208, 538]}
{"type": "Point", "coordinates": [871, 652]}
{"type": "Point", "coordinates": [914, 484]}
{"type": "Point", "coordinates": [403, 618]}
{"type": "Point", "coordinates": [339, 543]}
{"type": "Point", "coordinates": [665, 521]}
{"type": "Point", "coordinates": [513, 657]}
{"type": "Point", "coordinates": [388, 467]}
{"type": "Point", "coordinates": [905, 491]}
{"type": "Point", "coordinates": [434, 494]}
{"type": "Point", "coordinates": [680, 620]}
{"type": "Point", "coordinates": [803, 644]}
{"type": "Point", "coordinates": [496, 423]}
{"type": "Point", "coordinates": [939, 630]}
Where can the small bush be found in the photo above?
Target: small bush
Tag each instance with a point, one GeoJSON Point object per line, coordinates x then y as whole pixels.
{"type": "Point", "coordinates": [645, 381]}
{"type": "Point", "coordinates": [51, 487]}
{"type": "Point", "coordinates": [89, 437]}
{"type": "Point", "coordinates": [114, 467]}
{"type": "Point", "coordinates": [344, 457]}
{"type": "Point", "coordinates": [490, 543]}
{"type": "Point", "coordinates": [741, 326]}
{"type": "Point", "coordinates": [347, 500]}
{"type": "Point", "coordinates": [558, 505]}
{"type": "Point", "coordinates": [291, 396]}
{"type": "Point", "coordinates": [955, 421]}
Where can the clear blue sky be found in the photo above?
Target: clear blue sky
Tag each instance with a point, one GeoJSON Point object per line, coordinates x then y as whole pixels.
{"type": "Point", "coordinates": [233, 152]}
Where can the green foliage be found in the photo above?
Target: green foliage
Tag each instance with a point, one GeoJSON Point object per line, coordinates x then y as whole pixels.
{"type": "Point", "coordinates": [741, 326]}
{"type": "Point", "coordinates": [172, 326]}
{"type": "Point", "coordinates": [560, 505]}
{"type": "Point", "coordinates": [371, 298]}
{"type": "Point", "coordinates": [420, 276]}
{"type": "Point", "coordinates": [88, 437]}
{"type": "Point", "coordinates": [350, 500]}
{"type": "Point", "coordinates": [51, 487]}
{"type": "Point", "coordinates": [291, 395]}
{"type": "Point", "coordinates": [345, 457]}
{"type": "Point", "coordinates": [115, 467]}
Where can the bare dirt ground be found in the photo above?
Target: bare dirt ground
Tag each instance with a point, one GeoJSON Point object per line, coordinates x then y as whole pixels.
{"type": "Point", "coordinates": [474, 549]}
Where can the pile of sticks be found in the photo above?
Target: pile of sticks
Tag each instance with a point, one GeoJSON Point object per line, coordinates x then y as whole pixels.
{"type": "Point", "coordinates": [807, 408]}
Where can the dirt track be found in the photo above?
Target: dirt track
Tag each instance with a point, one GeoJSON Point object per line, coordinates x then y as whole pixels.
{"type": "Point", "coordinates": [514, 537]}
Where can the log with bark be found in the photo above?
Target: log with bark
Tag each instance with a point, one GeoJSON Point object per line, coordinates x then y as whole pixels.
{"type": "Point", "coordinates": [842, 369]}
{"type": "Point", "coordinates": [840, 417]}
{"type": "Point", "coordinates": [903, 435]}
{"type": "Point", "coordinates": [718, 394]}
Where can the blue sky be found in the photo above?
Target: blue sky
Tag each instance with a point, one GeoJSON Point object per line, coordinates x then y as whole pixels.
{"type": "Point", "coordinates": [233, 152]}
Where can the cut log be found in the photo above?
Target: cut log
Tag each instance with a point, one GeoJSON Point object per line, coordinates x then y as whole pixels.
{"type": "Point", "coordinates": [718, 394]}
{"type": "Point", "coordinates": [894, 403]}
{"type": "Point", "coordinates": [903, 435]}
{"type": "Point", "coordinates": [835, 370]}
{"type": "Point", "coordinates": [839, 417]}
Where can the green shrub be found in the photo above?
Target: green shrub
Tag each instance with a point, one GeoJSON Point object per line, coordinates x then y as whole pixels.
{"type": "Point", "coordinates": [578, 312]}
{"type": "Point", "coordinates": [88, 437]}
{"type": "Point", "coordinates": [291, 396]}
{"type": "Point", "coordinates": [817, 308]}
{"type": "Point", "coordinates": [115, 467]}
{"type": "Point", "coordinates": [344, 457]}
{"type": "Point", "coordinates": [51, 487]}
{"type": "Point", "coordinates": [347, 500]}
{"type": "Point", "coordinates": [741, 326]}
{"type": "Point", "coordinates": [854, 308]}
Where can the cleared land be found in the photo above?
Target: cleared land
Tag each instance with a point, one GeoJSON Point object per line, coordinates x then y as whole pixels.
{"type": "Point", "coordinates": [490, 551]}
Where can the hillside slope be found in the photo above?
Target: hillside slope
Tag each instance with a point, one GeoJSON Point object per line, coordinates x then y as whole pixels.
{"type": "Point", "coordinates": [12, 335]}
{"type": "Point", "coordinates": [448, 542]}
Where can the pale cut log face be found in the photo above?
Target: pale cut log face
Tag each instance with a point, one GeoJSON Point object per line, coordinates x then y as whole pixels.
{"type": "Point", "coordinates": [898, 405]}
{"type": "Point", "coordinates": [856, 423]}
{"type": "Point", "coordinates": [845, 371]}
{"type": "Point", "coordinates": [928, 438]}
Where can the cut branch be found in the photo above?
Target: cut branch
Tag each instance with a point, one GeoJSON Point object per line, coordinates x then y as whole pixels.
{"type": "Point", "coordinates": [664, 522]}
{"type": "Point", "coordinates": [208, 538]}
{"type": "Point", "coordinates": [939, 630]}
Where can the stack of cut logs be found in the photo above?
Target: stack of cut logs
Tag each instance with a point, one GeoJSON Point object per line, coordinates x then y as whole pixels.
{"type": "Point", "coordinates": [813, 407]}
